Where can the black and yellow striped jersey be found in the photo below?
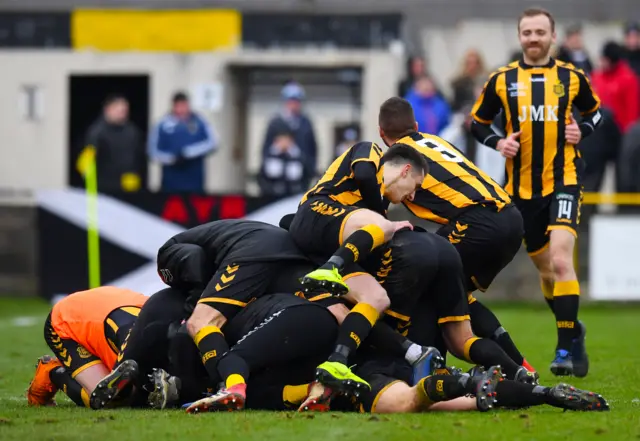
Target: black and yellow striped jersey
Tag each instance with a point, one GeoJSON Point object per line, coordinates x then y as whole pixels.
{"type": "Point", "coordinates": [453, 184]}
{"type": "Point", "coordinates": [338, 181]}
{"type": "Point", "coordinates": [538, 101]}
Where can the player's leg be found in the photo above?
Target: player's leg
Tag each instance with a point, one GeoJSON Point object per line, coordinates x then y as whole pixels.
{"type": "Point", "coordinates": [79, 389]}
{"type": "Point", "coordinates": [535, 216]}
{"type": "Point", "coordinates": [304, 330]}
{"type": "Point", "coordinates": [487, 241]}
{"type": "Point", "coordinates": [354, 232]}
{"type": "Point", "coordinates": [73, 360]}
{"type": "Point", "coordinates": [230, 290]}
{"type": "Point", "coordinates": [139, 352]}
{"type": "Point", "coordinates": [571, 357]}
{"type": "Point", "coordinates": [448, 293]}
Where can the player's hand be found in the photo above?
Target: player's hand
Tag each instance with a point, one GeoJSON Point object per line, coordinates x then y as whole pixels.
{"type": "Point", "coordinates": [509, 146]}
{"type": "Point", "coordinates": [399, 225]}
{"type": "Point", "coordinates": [572, 132]}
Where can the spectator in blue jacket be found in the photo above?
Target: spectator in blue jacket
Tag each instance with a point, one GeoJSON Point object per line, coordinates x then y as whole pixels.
{"type": "Point", "coordinates": [180, 142]}
{"type": "Point", "coordinates": [431, 110]}
{"type": "Point", "coordinates": [299, 125]}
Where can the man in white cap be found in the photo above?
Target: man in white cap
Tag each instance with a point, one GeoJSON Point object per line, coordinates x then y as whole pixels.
{"type": "Point", "coordinates": [300, 127]}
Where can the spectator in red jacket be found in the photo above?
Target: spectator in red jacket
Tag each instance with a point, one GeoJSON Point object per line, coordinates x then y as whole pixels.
{"type": "Point", "coordinates": [617, 86]}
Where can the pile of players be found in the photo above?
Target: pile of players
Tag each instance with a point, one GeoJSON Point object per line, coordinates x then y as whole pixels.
{"type": "Point", "coordinates": [263, 317]}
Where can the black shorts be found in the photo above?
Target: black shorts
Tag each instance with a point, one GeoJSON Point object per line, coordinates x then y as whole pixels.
{"type": "Point", "coordinates": [415, 266]}
{"type": "Point", "coordinates": [380, 372]}
{"type": "Point", "coordinates": [318, 226]}
{"type": "Point", "coordinates": [235, 285]}
{"type": "Point", "coordinates": [487, 241]}
{"type": "Point", "coordinates": [558, 211]}
{"type": "Point", "coordinates": [75, 357]}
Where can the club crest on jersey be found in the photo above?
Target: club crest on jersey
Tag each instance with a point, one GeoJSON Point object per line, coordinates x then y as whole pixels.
{"type": "Point", "coordinates": [558, 89]}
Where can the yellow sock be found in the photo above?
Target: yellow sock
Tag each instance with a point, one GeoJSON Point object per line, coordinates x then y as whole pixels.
{"type": "Point", "coordinates": [295, 394]}
{"type": "Point", "coordinates": [234, 380]}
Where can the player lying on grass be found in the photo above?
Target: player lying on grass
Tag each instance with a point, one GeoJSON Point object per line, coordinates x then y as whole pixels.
{"type": "Point", "coordinates": [391, 392]}
{"type": "Point", "coordinates": [85, 331]}
{"type": "Point", "coordinates": [291, 385]}
{"type": "Point", "coordinates": [219, 268]}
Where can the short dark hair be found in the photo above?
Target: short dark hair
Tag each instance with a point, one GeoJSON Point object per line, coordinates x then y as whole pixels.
{"type": "Point", "coordinates": [534, 12]}
{"type": "Point", "coordinates": [405, 154]}
{"type": "Point", "coordinates": [112, 98]}
{"type": "Point", "coordinates": [396, 118]}
{"type": "Point", "coordinates": [179, 97]}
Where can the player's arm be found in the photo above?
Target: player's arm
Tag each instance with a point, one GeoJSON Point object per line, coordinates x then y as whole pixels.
{"type": "Point", "coordinates": [588, 104]}
{"type": "Point", "coordinates": [365, 166]}
{"type": "Point", "coordinates": [485, 109]}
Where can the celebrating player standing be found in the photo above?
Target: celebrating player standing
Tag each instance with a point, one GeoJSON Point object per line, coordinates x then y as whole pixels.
{"type": "Point", "coordinates": [544, 167]}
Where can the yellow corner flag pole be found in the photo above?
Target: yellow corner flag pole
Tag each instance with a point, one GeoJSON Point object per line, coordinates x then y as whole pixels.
{"type": "Point", "coordinates": [93, 235]}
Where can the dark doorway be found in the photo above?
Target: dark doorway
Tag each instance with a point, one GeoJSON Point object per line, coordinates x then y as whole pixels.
{"type": "Point", "coordinates": [86, 97]}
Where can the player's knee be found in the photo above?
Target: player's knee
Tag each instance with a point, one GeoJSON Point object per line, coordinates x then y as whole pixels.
{"type": "Point", "coordinates": [379, 299]}
{"type": "Point", "coordinates": [562, 265]}
{"type": "Point", "coordinates": [387, 228]}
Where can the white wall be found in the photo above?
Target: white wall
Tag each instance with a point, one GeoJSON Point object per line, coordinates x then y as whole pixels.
{"type": "Point", "coordinates": [34, 153]}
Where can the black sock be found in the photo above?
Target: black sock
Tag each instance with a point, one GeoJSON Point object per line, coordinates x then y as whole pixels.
{"type": "Point", "coordinates": [63, 381]}
{"type": "Point", "coordinates": [487, 353]}
{"type": "Point", "coordinates": [233, 369]}
{"type": "Point", "coordinates": [566, 299]}
{"type": "Point", "coordinates": [502, 337]}
{"type": "Point", "coordinates": [212, 345]}
{"type": "Point", "coordinates": [514, 394]}
{"type": "Point", "coordinates": [354, 329]}
{"type": "Point", "coordinates": [357, 247]}
{"type": "Point", "coordinates": [547, 292]}
{"type": "Point", "coordinates": [550, 304]}
{"type": "Point", "coordinates": [444, 387]}
{"type": "Point", "coordinates": [388, 341]}
{"type": "Point", "coordinates": [486, 325]}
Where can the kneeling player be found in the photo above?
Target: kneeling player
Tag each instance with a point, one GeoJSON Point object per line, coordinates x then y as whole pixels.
{"type": "Point", "coordinates": [85, 331]}
{"type": "Point", "coordinates": [344, 212]}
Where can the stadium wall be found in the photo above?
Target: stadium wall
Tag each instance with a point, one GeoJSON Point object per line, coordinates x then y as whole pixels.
{"type": "Point", "coordinates": [35, 150]}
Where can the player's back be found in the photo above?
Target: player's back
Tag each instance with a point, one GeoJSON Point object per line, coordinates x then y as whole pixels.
{"type": "Point", "coordinates": [81, 316]}
{"type": "Point", "coordinates": [453, 184]}
{"type": "Point", "coordinates": [338, 181]}
{"type": "Point", "coordinates": [239, 240]}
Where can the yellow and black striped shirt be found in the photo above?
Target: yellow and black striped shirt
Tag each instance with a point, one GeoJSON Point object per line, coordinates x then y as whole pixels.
{"type": "Point", "coordinates": [538, 101]}
{"type": "Point", "coordinates": [338, 181]}
{"type": "Point", "coordinates": [453, 184]}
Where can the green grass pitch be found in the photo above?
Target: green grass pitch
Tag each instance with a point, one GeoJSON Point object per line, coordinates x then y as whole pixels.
{"type": "Point", "coordinates": [613, 341]}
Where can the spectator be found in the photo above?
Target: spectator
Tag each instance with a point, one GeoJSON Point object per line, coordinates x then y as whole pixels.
{"type": "Point", "coordinates": [573, 51]}
{"type": "Point", "coordinates": [628, 178]}
{"type": "Point", "coordinates": [632, 46]}
{"type": "Point", "coordinates": [431, 110]}
{"type": "Point", "coordinates": [471, 76]}
{"type": "Point", "coordinates": [599, 149]}
{"type": "Point", "coordinates": [180, 142]}
{"type": "Point", "coordinates": [349, 138]}
{"type": "Point", "coordinates": [617, 86]}
{"type": "Point", "coordinates": [416, 67]}
{"type": "Point", "coordinates": [299, 125]}
{"type": "Point", "coordinates": [117, 147]}
{"type": "Point", "coordinates": [282, 172]}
